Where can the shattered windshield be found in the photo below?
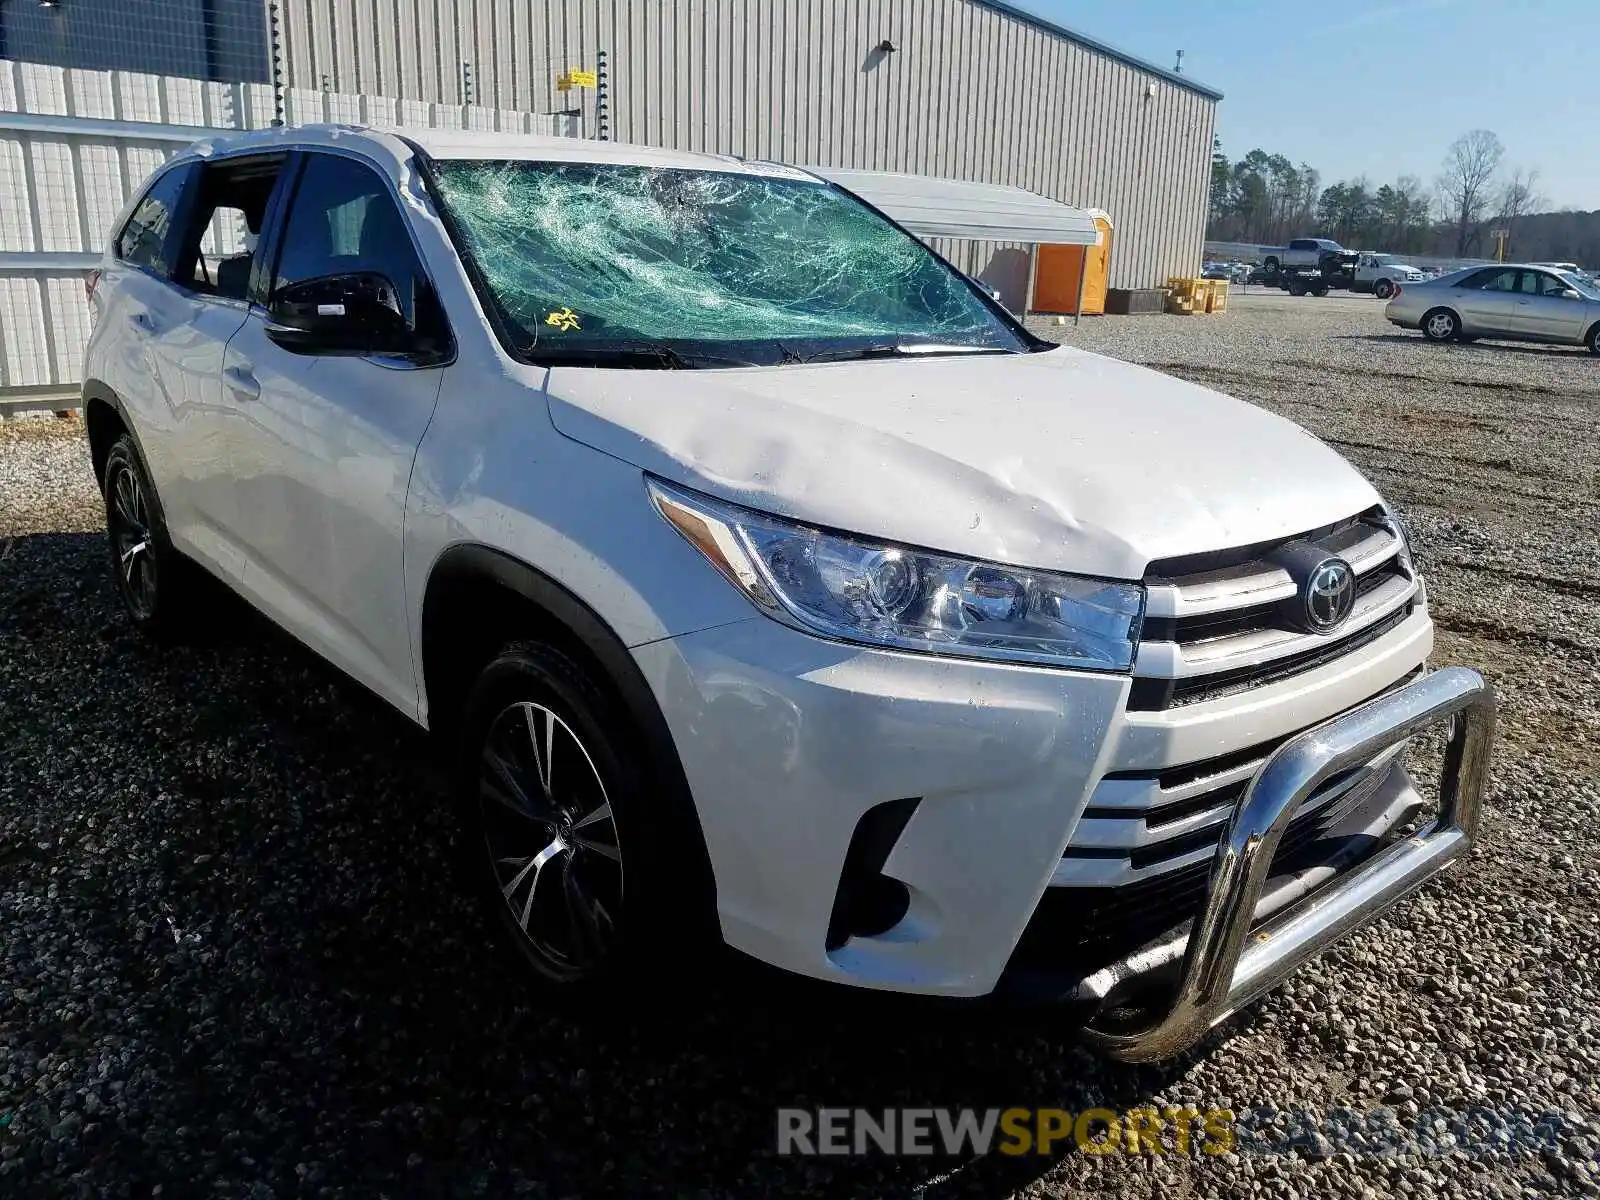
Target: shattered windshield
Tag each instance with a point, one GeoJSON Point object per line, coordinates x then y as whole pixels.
{"type": "Point", "coordinates": [703, 267]}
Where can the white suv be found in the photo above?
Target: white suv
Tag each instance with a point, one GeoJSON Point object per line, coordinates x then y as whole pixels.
{"type": "Point", "coordinates": [771, 583]}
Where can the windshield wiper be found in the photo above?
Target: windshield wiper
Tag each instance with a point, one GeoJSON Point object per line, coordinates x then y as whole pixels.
{"type": "Point", "coordinates": [628, 352]}
{"type": "Point", "coordinates": [898, 350]}
{"type": "Point", "coordinates": [611, 354]}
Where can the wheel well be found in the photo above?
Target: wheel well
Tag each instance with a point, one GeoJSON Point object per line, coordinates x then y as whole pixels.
{"type": "Point", "coordinates": [467, 619]}
{"type": "Point", "coordinates": [105, 425]}
{"type": "Point", "coordinates": [478, 601]}
{"type": "Point", "coordinates": [1588, 334]}
{"type": "Point", "coordinates": [1440, 308]}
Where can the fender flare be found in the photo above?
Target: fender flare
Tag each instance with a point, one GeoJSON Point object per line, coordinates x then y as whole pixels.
{"type": "Point", "coordinates": [480, 563]}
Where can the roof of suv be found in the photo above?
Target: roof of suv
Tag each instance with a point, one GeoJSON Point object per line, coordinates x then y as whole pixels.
{"type": "Point", "coordinates": [467, 143]}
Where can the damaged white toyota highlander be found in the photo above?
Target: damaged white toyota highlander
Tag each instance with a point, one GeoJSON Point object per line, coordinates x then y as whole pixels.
{"type": "Point", "coordinates": [769, 582]}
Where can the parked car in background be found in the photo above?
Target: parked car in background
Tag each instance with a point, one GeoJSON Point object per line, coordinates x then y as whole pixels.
{"type": "Point", "coordinates": [1380, 274]}
{"type": "Point", "coordinates": [1516, 302]}
{"type": "Point", "coordinates": [1215, 270]}
{"type": "Point", "coordinates": [818, 610]}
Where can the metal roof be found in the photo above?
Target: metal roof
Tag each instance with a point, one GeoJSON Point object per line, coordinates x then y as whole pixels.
{"type": "Point", "coordinates": [1072, 35]}
{"type": "Point", "coordinates": [956, 208]}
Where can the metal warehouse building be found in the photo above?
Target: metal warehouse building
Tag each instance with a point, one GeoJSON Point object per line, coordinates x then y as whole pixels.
{"type": "Point", "coordinates": [970, 90]}
{"type": "Point", "coordinates": [962, 89]}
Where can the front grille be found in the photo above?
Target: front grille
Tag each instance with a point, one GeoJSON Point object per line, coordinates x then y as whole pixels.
{"type": "Point", "coordinates": [1153, 695]}
{"type": "Point", "coordinates": [1140, 823]}
{"type": "Point", "coordinates": [1079, 930]}
{"type": "Point", "coordinates": [1220, 623]}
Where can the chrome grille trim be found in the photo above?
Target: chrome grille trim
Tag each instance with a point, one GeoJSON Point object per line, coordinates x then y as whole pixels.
{"type": "Point", "coordinates": [1364, 546]}
{"type": "Point", "coordinates": [1227, 618]}
{"type": "Point", "coordinates": [1179, 660]}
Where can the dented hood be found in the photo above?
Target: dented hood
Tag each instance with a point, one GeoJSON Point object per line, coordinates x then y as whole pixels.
{"type": "Point", "coordinates": [1061, 460]}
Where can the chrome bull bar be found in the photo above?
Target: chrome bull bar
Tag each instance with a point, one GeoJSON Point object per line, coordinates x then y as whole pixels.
{"type": "Point", "coordinates": [1220, 972]}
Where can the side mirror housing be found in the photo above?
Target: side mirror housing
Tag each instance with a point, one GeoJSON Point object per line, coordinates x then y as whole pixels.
{"type": "Point", "coordinates": [358, 313]}
{"type": "Point", "coordinates": [1570, 294]}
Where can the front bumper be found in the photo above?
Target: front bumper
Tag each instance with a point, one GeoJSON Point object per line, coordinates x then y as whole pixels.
{"type": "Point", "coordinates": [788, 742]}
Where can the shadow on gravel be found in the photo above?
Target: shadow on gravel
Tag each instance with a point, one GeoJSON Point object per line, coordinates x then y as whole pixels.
{"type": "Point", "coordinates": [236, 961]}
{"type": "Point", "coordinates": [1543, 350]}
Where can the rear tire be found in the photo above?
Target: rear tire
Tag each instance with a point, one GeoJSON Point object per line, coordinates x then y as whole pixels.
{"type": "Point", "coordinates": [1319, 292]}
{"type": "Point", "coordinates": [565, 840]}
{"type": "Point", "coordinates": [156, 584]}
{"type": "Point", "coordinates": [1297, 287]}
{"type": "Point", "coordinates": [1383, 289]}
{"type": "Point", "coordinates": [1440, 325]}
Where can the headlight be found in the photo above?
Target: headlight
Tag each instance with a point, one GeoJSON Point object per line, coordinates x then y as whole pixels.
{"type": "Point", "coordinates": [884, 595]}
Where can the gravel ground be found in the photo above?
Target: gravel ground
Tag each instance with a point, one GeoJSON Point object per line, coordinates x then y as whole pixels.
{"type": "Point", "coordinates": [234, 962]}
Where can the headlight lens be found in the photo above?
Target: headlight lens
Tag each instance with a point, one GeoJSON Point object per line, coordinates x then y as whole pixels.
{"type": "Point", "coordinates": [884, 595]}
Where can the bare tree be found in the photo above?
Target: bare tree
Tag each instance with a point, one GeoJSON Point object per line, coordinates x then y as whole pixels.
{"type": "Point", "coordinates": [1466, 185]}
{"type": "Point", "coordinates": [1519, 197]}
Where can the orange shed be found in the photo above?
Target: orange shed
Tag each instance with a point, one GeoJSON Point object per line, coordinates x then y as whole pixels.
{"type": "Point", "coordinates": [1055, 288]}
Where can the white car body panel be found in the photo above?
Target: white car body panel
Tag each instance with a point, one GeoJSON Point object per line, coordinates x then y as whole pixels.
{"type": "Point", "coordinates": [1019, 459]}
{"type": "Point", "coordinates": [328, 489]}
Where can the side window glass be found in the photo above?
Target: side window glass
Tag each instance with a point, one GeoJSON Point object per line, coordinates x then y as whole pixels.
{"type": "Point", "coordinates": [146, 240]}
{"type": "Point", "coordinates": [343, 220]}
{"type": "Point", "coordinates": [1498, 281]}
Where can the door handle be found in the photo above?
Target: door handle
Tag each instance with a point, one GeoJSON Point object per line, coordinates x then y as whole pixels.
{"type": "Point", "coordinates": [241, 381]}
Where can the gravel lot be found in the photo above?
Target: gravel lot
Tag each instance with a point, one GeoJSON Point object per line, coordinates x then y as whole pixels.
{"type": "Point", "coordinates": [234, 962]}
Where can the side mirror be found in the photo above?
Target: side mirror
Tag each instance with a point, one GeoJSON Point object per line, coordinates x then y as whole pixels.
{"type": "Point", "coordinates": [1570, 294]}
{"type": "Point", "coordinates": [358, 313]}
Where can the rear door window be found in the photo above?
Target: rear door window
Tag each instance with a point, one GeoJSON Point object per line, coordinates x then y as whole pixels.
{"type": "Point", "coordinates": [217, 252]}
{"type": "Point", "coordinates": [1494, 281]}
{"type": "Point", "coordinates": [147, 240]}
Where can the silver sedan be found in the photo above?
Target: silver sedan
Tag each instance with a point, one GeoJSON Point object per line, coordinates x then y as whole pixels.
{"type": "Point", "coordinates": [1515, 302]}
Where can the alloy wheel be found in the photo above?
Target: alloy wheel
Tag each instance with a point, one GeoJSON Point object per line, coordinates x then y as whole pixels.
{"type": "Point", "coordinates": [129, 518]}
{"type": "Point", "coordinates": [551, 838]}
{"type": "Point", "coordinates": [1441, 325]}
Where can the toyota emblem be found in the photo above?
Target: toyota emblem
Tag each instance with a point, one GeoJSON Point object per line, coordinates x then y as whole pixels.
{"type": "Point", "coordinates": [1328, 595]}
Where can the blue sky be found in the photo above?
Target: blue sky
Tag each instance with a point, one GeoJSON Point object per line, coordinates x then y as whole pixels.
{"type": "Point", "coordinates": [1404, 78]}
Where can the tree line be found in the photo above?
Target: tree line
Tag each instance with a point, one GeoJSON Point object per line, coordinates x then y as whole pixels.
{"type": "Point", "coordinates": [1266, 198]}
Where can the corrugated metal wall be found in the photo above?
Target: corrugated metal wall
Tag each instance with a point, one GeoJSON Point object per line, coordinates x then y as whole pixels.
{"type": "Point", "coordinates": [971, 92]}
{"type": "Point", "coordinates": [73, 146]}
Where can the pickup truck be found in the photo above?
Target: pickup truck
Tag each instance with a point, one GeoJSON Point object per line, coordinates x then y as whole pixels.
{"type": "Point", "coordinates": [1301, 252]}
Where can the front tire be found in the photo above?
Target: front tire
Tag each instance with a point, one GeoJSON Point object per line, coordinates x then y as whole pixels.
{"type": "Point", "coordinates": [1383, 289]}
{"type": "Point", "coordinates": [561, 840]}
{"type": "Point", "coordinates": [1593, 341]}
{"type": "Point", "coordinates": [1441, 325]}
{"type": "Point", "coordinates": [1297, 287]}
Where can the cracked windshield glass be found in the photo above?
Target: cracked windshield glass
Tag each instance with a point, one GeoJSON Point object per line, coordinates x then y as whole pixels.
{"type": "Point", "coordinates": [581, 257]}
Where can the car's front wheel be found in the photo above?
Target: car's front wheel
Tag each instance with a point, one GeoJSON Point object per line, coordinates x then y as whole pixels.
{"type": "Point", "coordinates": [561, 841]}
{"type": "Point", "coordinates": [1593, 341]}
{"type": "Point", "coordinates": [1383, 289]}
{"type": "Point", "coordinates": [1441, 325]}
